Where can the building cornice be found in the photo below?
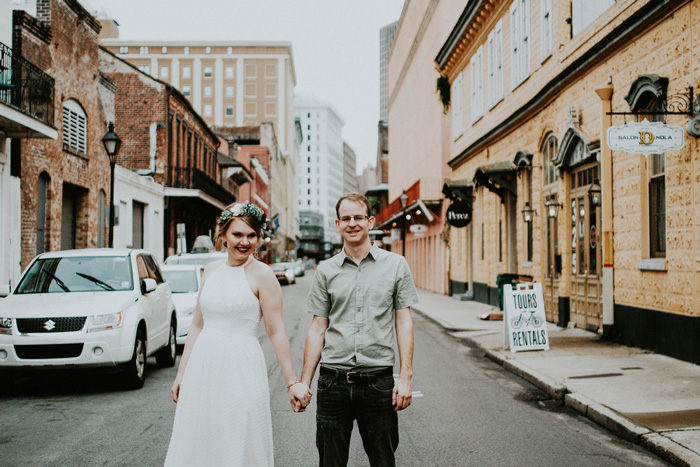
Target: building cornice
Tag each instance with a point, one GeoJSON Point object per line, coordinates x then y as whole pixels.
{"type": "Point", "coordinates": [641, 20]}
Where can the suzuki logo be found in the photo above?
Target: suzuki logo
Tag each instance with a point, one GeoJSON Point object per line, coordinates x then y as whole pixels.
{"type": "Point", "coordinates": [49, 325]}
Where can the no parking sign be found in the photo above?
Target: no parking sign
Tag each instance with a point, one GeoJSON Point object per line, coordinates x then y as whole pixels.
{"type": "Point", "coordinates": [526, 323]}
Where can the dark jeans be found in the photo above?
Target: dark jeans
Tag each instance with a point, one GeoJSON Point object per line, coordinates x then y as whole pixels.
{"type": "Point", "coordinates": [339, 403]}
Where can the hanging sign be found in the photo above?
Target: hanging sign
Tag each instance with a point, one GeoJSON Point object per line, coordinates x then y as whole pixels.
{"type": "Point", "coordinates": [525, 321]}
{"type": "Point", "coordinates": [459, 214]}
{"type": "Point", "coordinates": [645, 137]}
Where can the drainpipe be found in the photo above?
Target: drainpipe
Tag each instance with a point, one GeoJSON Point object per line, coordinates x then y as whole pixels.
{"type": "Point", "coordinates": [606, 183]}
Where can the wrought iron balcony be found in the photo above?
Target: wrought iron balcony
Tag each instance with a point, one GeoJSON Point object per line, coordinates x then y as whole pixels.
{"type": "Point", "coordinates": [27, 89]}
{"type": "Point", "coordinates": [184, 177]}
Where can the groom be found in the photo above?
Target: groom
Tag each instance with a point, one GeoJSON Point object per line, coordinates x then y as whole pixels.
{"type": "Point", "coordinates": [358, 297]}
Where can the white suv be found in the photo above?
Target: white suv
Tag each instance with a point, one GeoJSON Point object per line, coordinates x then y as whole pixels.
{"type": "Point", "coordinates": [89, 308]}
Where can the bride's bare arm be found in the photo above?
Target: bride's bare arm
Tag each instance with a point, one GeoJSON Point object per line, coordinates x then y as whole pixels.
{"type": "Point", "coordinates": [270, 297]}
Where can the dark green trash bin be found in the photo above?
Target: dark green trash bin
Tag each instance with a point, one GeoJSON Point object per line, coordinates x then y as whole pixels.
{"type": "Point", "coordinates": [509, 278]}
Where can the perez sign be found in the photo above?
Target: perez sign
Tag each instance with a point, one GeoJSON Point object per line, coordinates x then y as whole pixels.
{"type": "Point", "coordinates": [645, 137]}
{"type": "Point", "coordinates": [459, 214]}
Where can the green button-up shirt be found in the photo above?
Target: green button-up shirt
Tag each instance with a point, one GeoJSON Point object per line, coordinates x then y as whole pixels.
{"type": "Point", "coordinates": [360, 302]}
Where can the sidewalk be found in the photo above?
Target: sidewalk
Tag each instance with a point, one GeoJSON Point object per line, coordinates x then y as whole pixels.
{"type": "Point", "coordinates": [650, 399]}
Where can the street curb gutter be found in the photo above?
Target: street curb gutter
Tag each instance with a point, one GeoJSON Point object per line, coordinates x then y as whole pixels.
{"type": "Point", "coordinates": [655, 442]}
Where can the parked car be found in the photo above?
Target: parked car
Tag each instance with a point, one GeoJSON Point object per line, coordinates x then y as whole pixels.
{"type": "Point", "coordinates": [185, 281]}
{"type": "Point", "coordinates": [86, 309]}
{"type": "Point", "coordinates": [196, 258]}
{"type": "Point", "coordinates": [299, 268]}
{"type": "Point", "coordinates": [284, 273]}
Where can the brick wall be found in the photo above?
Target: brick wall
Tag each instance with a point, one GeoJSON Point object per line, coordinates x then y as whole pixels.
{"type": "Point", "coordinates": [65, 44]}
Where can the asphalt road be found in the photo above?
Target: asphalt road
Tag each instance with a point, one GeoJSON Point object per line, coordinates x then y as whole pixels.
{"type": "Point", "coordinates": [466, 411]}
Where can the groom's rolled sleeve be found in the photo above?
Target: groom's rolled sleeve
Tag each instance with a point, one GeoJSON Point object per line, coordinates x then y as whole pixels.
{"type": "Point", "coordinates": [318, 302]}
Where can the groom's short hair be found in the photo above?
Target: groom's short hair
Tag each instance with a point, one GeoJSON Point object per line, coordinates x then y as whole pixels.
{"type": "Point", "coordinates": [357, 198]}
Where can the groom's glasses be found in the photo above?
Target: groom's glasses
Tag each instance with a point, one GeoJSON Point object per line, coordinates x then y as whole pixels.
{"type": "Point", "coordinates": [358, 218]}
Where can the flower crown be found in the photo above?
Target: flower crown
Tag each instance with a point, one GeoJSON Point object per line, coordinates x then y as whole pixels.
{"type": "Point", "coordinates": [246, 209]}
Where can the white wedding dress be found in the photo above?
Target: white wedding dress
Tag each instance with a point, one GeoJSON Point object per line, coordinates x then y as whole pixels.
{"type": "Point", "coordinates": [223, 413]}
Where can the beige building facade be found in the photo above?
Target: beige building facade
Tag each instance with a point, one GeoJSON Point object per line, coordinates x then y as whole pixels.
{"type": "Point", "coordinates": [613, 236]}
{"type": "Point", "coordinates": [232, 84]}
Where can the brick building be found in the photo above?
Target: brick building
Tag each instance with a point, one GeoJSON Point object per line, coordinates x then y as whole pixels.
{"type": "Point", "coordinates": [532, 84]}
{"type": "Point", "coordinates": [64, 182]}
{"type": "Point", "coordinates": [164, 138]}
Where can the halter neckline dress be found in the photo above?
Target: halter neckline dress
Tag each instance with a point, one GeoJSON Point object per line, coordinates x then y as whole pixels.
{"type": "Point", "coordinates": [223, 413]}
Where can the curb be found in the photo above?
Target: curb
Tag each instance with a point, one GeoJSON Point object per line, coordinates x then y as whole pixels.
{"type": "Point", "coordinates": [652, 441]}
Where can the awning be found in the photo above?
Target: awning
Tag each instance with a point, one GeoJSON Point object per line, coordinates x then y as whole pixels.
{"type": "Point", "coordinates": [417, 205]}
{"type": "Point", "coordinates": [193, 193]}
{"type": "Point", "coordinates": [499, 178]}
{"type": "Point", "coordinates": [458, 190]}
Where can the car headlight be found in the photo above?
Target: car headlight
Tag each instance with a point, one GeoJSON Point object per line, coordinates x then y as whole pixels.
{"type": "Point", "coordinates": [102, 322]}
{"type": "Point", "coordinates": [5, 325]}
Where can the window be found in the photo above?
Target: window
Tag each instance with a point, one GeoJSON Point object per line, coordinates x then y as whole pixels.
{"type": "Point", "coordinates": [123, 50]}
{"type": "Point", "coordinates": [251, 71]}
{"type": "Point", "coordinates": [186, 91]}
{"type": "Point", "coordinates": [144, 51]}
{"type": "Point", "coordinates": [186, 72]}
{"type": "Point", "coordinates": [229, 72]}
{"type": "Point", "coordinates": [164, 50]}
{"type": "Point", "coordinates": [145, 68]}
{"type": "Point", "coordinates": [476, 66]}
{"type": "Point", "coordinates": [546, 28]}
{"type": "Point", "coordinates": [207, 91]}
{"type": "Point", "coordinates": [42, 196]}
{"type": "Point", "coordinates": [457, 124]}
{"type": "Point", "coordinates": [251, 90]}
{"type": "Point", "coordinates": [207, 110]}
{"type": "Point", "coordinates": [495, 58]}
{"type": "Point", "coordinates": [74, 126]}
{"type": "Point", "coordinates": [549, 151]}
{"type": "Point", "coordinates": [207, 72]}
{"type": "Point", "coordinates": [229, 110]}
{"type": "Point", "coordinates": [519, 41]}
{"type": "Point", "coordinates": [229, 91]}
{"type": "Point", "coordinates": [207, 50]}
{"type": "Point", "coordinates": [186, 51]}
{"type": "Point", "coordinates": [229, 50]}
{"type": "Point", "coordinates": [164, 72]}
{"type": "Point", "coordinates": [584, 12]}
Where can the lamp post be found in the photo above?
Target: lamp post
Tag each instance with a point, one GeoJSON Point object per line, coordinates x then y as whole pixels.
{"type": "Point", "coordinates": [594, 193]}
{"type": "Point", "coordinates": [403, 199]}
{"type": "Point", "coordinates": [112, 142]}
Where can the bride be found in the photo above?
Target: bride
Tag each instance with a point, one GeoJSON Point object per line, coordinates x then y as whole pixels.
{"type": "Point", "coordinates": [221, 387]}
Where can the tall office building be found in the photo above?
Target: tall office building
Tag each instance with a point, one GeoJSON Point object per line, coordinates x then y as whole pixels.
{"type": "Point", "coordinates": [386, 37]}
{"type": "Point", "coordinates": [320, 165]}
{"type": "Point", "coordinates": [230, 84]}
{"type": "Point", "coordinates": [349, 170]}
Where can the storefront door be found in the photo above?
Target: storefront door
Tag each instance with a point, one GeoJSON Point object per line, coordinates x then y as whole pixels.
{"type": "Point", "coordinates": [585, 252]}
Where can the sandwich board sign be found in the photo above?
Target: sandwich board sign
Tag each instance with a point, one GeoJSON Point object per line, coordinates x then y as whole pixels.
{"type": "Point", "coordinates": [525, 321]}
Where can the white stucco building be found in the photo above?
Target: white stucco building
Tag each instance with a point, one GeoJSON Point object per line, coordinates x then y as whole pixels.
{"type": "Point", "coordinates": [320, 164]}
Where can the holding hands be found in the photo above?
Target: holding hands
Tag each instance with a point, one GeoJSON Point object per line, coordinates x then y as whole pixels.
{"type": "Point", "coordinates": [299, 395]}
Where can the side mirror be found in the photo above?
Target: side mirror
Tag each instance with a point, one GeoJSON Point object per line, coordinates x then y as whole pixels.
{"type": "Point", "coordinates": [148, 285]}
{"type": "Point", "coordinates": [4, 290]}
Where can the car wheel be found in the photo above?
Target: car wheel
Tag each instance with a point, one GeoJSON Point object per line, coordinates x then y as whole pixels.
{"type": "Point", "coordinates": [135, 370]}
{"type": "Point", "coordinates": [165, 357]}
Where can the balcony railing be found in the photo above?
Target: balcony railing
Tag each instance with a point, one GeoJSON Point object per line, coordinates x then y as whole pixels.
{"type": "Point", "coordinates": [185, 177]}
{"type": "Point", "coordinates": [25, 87]}
{"type": "Point", "coordinates": [423, 189]}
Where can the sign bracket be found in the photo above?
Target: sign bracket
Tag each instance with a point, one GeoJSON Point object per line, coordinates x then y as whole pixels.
{"type": "Point", "coordinates": [675, 104]}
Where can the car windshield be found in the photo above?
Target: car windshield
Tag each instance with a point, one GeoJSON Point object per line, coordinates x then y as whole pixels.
{"type": "Point", "coordinates": [77, 274]}
{"type": "Point", "coordinates": [181, 281]}
{"type": "Point", "coordinates": [202, 259]}
{"type": "Point", "coordinates": [278, 267]}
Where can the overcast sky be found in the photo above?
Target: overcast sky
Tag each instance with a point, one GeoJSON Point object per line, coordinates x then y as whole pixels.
{"type": "Point", "coordinates": [335, 45]}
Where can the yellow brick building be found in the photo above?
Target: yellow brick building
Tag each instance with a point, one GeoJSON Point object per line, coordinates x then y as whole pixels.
{"type": "Point", "coordinates": [613, 236]}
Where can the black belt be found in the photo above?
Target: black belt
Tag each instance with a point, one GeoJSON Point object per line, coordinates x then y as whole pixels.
{"type": "Point", "coordinates": [352, 377]}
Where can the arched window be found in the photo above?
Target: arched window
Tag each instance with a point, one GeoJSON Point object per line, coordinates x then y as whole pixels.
{"type": "Point", "coordinates": [42, 197]}
{"type": "Point", "coordinates": [549, 193]}
{"type": "Point", "coordinates": [74, 126]}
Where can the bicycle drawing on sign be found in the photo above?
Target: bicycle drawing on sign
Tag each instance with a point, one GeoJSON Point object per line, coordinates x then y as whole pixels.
{"type": "Point", "coordinates": [518, 322]}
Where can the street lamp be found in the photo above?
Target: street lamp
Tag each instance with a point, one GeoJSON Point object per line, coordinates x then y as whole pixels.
{"type": "Point", "coordinates": [552, 207]}
{"type": "Point", "coordinates": [111, 142]}
{"type": "Point", "coordinates": [403, 199]}
{"type": "Point", "coordinates": [528, 212]}
{"type": "Point", "coordinates": [594, 193]}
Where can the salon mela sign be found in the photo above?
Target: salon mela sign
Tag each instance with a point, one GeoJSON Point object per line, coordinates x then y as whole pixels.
{"type": "Point", "coordinates": [645, 137]}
